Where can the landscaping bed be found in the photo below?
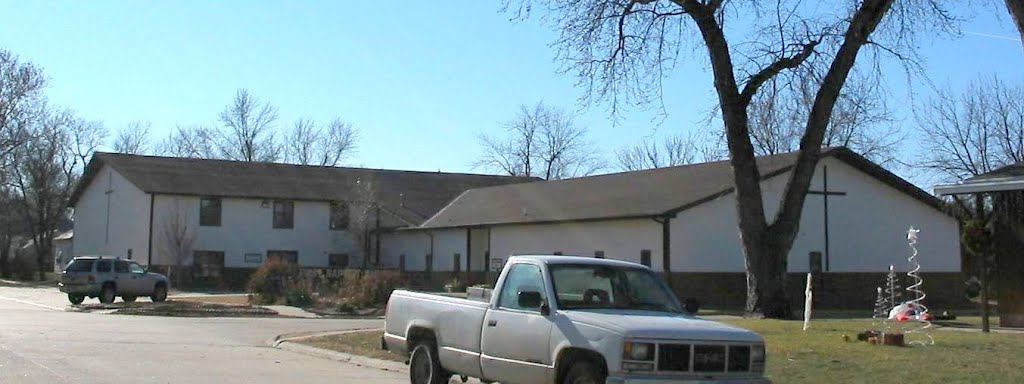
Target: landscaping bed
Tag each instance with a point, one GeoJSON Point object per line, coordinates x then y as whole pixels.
{"type": "Point", "coordinates": [180, 309]}
{"type": "Point", "coordinates": [795, 356]}
{"type": "Point", "coordinates": [363, 343]}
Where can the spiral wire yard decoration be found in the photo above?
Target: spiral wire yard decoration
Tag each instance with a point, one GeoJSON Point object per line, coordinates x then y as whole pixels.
{"type": "Point", "coordinates": [922, 315]}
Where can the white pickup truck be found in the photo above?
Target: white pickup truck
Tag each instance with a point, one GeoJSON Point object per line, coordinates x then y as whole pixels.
{"type": "Point", "coordinates": [566, 319]}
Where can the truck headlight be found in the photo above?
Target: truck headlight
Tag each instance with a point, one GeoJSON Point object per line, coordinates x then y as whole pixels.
{"type": "Point", "coordinates": [638, 351]}
{"type": "Point", "coordinates": [757, 358]}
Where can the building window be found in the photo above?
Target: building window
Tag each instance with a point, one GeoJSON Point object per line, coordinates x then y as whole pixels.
{"type": "Point", "coordinates": [284, 214]}
{"type": "Point", "coordinates": [339, 215]}
{"type": "Point", "coordinates": [599, 254]}
{"type": "Point", "coordinates": [337, 260]}
{"type": "Point", "coordinates": [208, 264]}
{"type": "Point", "coordinates": [645, 257]}
{"type": "Point", "coordinates": [209, 211]}
{"type": "Point", "coordinates": [291, 257]}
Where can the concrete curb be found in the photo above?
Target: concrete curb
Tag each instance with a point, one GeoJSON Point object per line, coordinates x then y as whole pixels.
{"type": "Point", "coordinates": [288, 342]}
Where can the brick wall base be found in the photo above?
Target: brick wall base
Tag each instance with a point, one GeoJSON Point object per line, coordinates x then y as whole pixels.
{"type": "Point", "coordinates": [853, 291]}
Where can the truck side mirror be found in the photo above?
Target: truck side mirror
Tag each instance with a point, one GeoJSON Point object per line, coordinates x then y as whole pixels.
{"type": "Point", "coordinates": [529, 299]}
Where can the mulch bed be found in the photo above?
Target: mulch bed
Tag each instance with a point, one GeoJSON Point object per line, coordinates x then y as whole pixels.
{"type": "Point", "coordinates": [180, 309]}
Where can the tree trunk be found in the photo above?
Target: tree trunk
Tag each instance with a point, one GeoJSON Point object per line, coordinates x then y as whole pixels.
{"type": "Point", "coordinates": [43, 261]}
{"type": "Point", "coordinates": [5, 254]}
{"type": "Point", "coordinates": [1016, 9]}
{"type": "Point", "coordinates": [766, 282]}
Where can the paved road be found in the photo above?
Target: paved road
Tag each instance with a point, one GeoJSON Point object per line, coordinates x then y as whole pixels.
{"type": "Point", "coordinates": [40, 343]}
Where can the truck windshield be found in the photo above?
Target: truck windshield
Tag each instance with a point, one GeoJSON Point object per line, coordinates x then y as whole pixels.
{"type": "Point", "coordinates": [582, 286]}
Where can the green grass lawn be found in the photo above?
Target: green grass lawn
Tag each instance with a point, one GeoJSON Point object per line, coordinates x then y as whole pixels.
{"type": "Point", "coordinates": [820, 355]}
{"type": "Point", "coordinates": [354, 343]}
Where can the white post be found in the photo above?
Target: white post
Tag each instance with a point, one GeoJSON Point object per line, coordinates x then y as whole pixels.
{"type": "Point", "coordinates": [807, 302]}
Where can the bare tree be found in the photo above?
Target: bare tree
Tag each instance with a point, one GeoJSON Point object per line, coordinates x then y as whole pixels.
{"type": "Point", "coordinates": [973, 132]}
{"type": "Point", "coordinates": [860, 119]}
{"type": "Point", "coordinates": [308, 144]}
{"type": "Point", "coordinates": [622, 50]}
{"type": "Point", "coordinates": [248, 130]}
{"type": "Point", "coordinates": [10, 226]}
{"type": "Point", "coordinates": [85, 137]}
{"type": "Point", "coordinates": [364, 215]}
{"type": "Point", "coordinates": [45, 174]}
{"type": "Point", "coordinates": [21, 86]}
{"type": "Point", "coordinates": [1016, 9]}
{"type": "Point", "coordinates": [188, 141]}
{"type": "Point", "coordinates": [133, 139]}
{"type": "Point", "coordinates": [178, 238]}
{"type": "Point", "coordinates": [672, 151]}
{"type": "Point", "coordinates": [541, 141]}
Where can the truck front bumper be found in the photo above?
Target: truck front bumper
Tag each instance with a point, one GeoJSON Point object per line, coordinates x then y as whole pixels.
{"type": "Point", "coordinates": [667, 380]}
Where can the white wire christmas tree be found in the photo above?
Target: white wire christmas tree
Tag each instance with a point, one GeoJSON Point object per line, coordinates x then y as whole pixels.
{"type": "Point", "coordinates": [918, 296]}
{"type": "Point", "coordinates": [892, 289]}
{"type": "Point", "coordinates": [881, 314]}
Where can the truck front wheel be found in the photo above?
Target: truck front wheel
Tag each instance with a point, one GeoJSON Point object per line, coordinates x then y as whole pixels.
{"type": "Point", "coordinates": [583, 372]}
{"type": "Point", "coordinates": [425, 367]}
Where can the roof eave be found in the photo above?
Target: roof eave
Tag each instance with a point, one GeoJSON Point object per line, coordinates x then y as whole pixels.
{"type": "Point", "coordinates": [1003, 185]}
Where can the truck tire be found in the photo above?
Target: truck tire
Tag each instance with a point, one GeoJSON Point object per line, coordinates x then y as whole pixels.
{"type": "Point", "coordinates": [108, 294]}
{"type": "Point", "coordinates": [159, 293]}
{"type": "Point", "coordinates": [424, 365]}
{"type": "Point", "coordinates": [583, 372]}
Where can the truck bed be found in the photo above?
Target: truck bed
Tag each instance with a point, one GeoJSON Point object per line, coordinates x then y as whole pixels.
{"type": "Point", "coordinates": [457, 323]}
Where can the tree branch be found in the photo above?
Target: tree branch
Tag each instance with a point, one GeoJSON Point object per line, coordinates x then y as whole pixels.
{"type": "Point", "coordinates": [767, 73]}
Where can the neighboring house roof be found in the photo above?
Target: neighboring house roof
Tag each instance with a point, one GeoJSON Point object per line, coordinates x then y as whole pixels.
{"type": "Point", "coordinates": [1008, 178]}
{"type": "Point", "coordinates": [411, 196]}
{"type": "Point", "coordinates": [638, 194]}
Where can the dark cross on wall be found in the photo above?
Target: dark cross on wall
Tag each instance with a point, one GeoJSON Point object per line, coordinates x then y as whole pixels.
{"type": "Point", "coordinates": [825, 193]}
{"type": "Point", "coordinates": [110, 190]}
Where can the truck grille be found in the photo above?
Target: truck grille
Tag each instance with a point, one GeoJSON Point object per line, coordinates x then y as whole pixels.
{"type": "Point", "coordinates": [703, 358]}
{"type": "Point", "coordinates": [674, 357]}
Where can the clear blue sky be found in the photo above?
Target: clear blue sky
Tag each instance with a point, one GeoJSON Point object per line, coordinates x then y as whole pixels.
{"type": "Point", "coordinates": [419, 79]}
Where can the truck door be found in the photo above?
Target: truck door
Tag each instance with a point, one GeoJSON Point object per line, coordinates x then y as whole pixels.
{"type": "Point", "coordinates": [515, 338]}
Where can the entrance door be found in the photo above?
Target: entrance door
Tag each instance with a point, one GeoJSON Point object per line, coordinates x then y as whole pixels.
{"type": "Point", "coordinates": [515, 339]}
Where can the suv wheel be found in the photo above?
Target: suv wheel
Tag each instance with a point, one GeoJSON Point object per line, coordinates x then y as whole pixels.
{"type": "Point", "coordinates": [159, 293]}
{"type": "Point", "coordinates": [76, 299]}
{"type": "Point", "coordinates": [107, 294]}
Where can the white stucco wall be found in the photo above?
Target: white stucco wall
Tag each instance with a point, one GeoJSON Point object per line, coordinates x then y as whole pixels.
{"type": "Point", "coordinates": [619, 239]}
{"type": "Point", "coordinates": [446, 244]}
{"type": "Point", "coordinates": [128, 213]}
{"type": "Point", "coordinates": [247, 227]}
{"type": "Point", "coordinates": [413, 244]}
{"type": "Point", "coordinates": [867, 228]}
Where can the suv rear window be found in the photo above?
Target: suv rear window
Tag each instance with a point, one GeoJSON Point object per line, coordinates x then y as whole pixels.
{"type": "Point", "coordinates": [103, 266]}
{"type": "Point", "coordinates": [81, 265]}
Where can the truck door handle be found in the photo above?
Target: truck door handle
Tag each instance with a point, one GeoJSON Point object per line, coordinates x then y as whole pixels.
{"type": "Point", "coordinates": [492, 323]}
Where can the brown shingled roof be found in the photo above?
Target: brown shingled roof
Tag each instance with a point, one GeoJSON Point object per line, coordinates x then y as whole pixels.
{"type": "Point", "coordinates": [413, 196]}
{"type": "Point", "coordinates": [648, 193]}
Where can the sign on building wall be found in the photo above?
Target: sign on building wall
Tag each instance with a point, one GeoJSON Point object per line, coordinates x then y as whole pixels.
{"type": "Point", "coordinates": [497, 263]}
{"type": "Point", "coordinates": [253, 257]}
